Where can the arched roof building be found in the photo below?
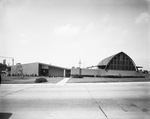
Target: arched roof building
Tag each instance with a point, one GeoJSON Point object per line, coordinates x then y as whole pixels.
{"type": "Point", "coordinates": [119, 61]}
{"type": "Point", "coordinates": [118, 65]}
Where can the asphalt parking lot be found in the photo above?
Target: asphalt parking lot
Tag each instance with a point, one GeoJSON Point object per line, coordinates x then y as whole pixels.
{"type": "Point", "coordinates": [126, 100]}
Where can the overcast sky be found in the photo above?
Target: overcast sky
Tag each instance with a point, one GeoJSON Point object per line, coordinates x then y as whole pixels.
{"type": "Point", "coordinates": [61, 32]}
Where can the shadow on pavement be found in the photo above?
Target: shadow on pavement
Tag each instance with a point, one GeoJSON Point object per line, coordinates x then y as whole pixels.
{"type": "Point", "coordinates": [4, 115]}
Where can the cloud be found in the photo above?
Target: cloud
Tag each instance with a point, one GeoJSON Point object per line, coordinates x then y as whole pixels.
{"type": "Point", "coordinates": [143, 18]}
{"type": "Point", "coordinates": [90, 27]}
{"type": "Point", "coordinates": [67, 30]}
{"type": "Point", "coordinates": [23, 39]}
{"type": "Point", "coordinates": [125, 32]}
{"type": "Point", "coordinates": [106, 18]}
{"type": "Point", "coordinates": [109, 29]}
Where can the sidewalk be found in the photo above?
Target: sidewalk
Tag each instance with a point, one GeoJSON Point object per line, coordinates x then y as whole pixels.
{"type": "Point", "coordinates": [62, 82]}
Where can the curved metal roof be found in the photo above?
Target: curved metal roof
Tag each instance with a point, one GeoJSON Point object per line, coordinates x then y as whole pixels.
{"type": "Point", "coordinates": [105, 61]}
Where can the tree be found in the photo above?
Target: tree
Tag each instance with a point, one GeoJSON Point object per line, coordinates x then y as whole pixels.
{"type": "Point", "coordinates": [3, 67]}
{"type": "Point", "coordinates": [19, 69]}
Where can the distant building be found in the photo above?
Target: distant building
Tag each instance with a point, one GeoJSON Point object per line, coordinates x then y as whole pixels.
{"type": "Point", "coordinates": [118, 65]}
{"type": "Point", "coordinates": [40, 69]}
{"type": "Point", "coordinates": [4, 62]}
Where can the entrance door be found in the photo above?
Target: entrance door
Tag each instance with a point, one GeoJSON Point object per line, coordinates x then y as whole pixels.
{"type": "Point", "coordinates": [44, 72]}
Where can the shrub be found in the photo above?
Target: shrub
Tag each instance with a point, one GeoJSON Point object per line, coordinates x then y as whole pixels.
{"type": "Point", "coordinates": [40, 80]}
{"type": "Point", "coordinates": [77, 76]}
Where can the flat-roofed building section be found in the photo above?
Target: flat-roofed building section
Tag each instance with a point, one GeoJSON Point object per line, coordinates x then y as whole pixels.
{"type": "Point", "coordinates": [85, 72]}
{"type": "Point", "coordinates": [25, 69]}
{"type": "Point", "coordinates": [41, 69]}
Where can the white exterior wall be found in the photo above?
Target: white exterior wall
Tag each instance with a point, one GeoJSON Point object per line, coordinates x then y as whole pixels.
{"type": "Point", "coordinates": [75, 71]}
{"type": "Point", "coordinates": [102, 72]}
{"type": "Point", "coordinates": [119, 73]}
{"type": "Point", "coordinates": [28, 69]}
{"type": "Point", "coordinates": [89, 72]}
{"type": "Point", "coordinates": [13, 69]}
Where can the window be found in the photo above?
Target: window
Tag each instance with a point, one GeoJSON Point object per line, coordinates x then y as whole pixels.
{"type": "Point", "coordinates": [130, 62]}
{"type": "Point", "coordinates": [123, 67]}
{"type": "Point", "coordinates": [121, 57]}
{"type": "Point", "coordinates": [114, 67]}
{"type": "Point", "coordinates": [111, 66]}
{"type": "Point", "coordinates": [121, 62]}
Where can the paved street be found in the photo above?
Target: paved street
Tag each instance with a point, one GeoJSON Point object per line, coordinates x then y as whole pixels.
{"type": "Point", "coordinates": [75, 101]}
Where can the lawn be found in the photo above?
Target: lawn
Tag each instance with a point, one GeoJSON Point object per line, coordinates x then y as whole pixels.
{"type": "Point", "coordinates": [27, 80]}
{"type": "Point", "coordinates": [53, 80]}
{"type": "Point", "coordinates": [106, 80]}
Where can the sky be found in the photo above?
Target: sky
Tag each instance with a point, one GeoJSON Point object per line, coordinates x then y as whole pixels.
{"type": "Point", "coordinates": [61, 32]}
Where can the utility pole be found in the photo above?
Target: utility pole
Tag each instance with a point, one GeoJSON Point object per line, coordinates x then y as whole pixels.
{"type": "Point", "coordinates": [80, 63]}
{"type": "Point", "coordinates": [80, 67]}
